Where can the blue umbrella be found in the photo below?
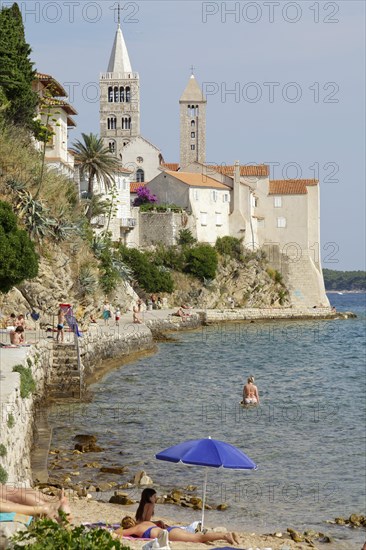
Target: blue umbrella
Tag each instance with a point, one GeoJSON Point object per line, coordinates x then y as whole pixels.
{"type": "Point", "coordinates": [210, 453]}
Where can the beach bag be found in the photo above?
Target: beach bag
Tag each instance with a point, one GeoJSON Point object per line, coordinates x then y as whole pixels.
{"type": "Point", "coordinates": [161, 543]}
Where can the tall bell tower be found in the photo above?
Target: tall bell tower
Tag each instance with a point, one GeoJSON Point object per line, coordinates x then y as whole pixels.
{"type": "Point", "coordinates": [119, 98]}
{"type": "Point", "coordinates": [192, 107]}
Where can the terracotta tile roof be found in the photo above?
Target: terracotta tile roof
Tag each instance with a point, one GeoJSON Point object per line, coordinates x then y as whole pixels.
{"type": "Point", "coordinates": [173, 166]}
{"type": "Point", "coordinates": [57, 89]}
{"type": "Point", "coordinates": [134, 185]}
{"type": "Point", "coordinates": [290, 187]}
{"type": "Point", "coordinates": [60, 103]}
{"type": "Point", "coordinates": [198, 180]}
{"type": "Point", "coordinates": [245, 170]}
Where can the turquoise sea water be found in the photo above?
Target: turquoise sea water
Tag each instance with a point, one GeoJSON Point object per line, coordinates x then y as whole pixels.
{"type": "Point", "coordinates": [307, 437]}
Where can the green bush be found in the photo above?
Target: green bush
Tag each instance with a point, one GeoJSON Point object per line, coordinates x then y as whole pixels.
{"type": "Point", "coordinates": [18, 259]}
{"type": "Point", "coordinates": [3, 476]}
{"type": "Point", "coordinates": [169, 256]}
{"type": "Point", "coordinates": [275, 275]}
{"type": "Point", "coordinates": [186, 237]}
{"type": "Point", "coordinates": [230, 246]}
{"type": "Point", "coordinates": [11, 421]}
{"type": "Point", "coordinates": [201, 261]}
{"type": "Point", "coordinates": [150, 277]}
{"type": "Point", "coordinates": [46, 534]}
{"type": "Point", "coordinates": [27, 383]}
{"type": "Point", "coordinates": [3, 450]}
{"type": "Point", "coordinates": [148, 207]}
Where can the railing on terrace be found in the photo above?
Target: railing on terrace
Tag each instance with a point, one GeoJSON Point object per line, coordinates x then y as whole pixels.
{"type": "Point", "coordinates": [128, 222]}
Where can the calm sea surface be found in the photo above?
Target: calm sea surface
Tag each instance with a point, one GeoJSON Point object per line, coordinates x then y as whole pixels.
{"type": "Point", "coordinates": [307, 437]}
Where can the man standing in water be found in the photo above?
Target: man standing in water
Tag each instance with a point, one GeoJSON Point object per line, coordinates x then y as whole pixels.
{"type": "Point", "coordinates": [250, 393]}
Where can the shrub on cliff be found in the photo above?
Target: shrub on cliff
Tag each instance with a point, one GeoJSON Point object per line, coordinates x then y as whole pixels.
{"type": "Point", "coordinates": [230, 246]}
{"type": "Point", "coordinates": [202, 261]}
{"type": "Point", "coordinates": [18, 259]}
{"type": "Point", "coordinates": [150, 277]}
{"type": "Point", "coordinates": [46, 534]}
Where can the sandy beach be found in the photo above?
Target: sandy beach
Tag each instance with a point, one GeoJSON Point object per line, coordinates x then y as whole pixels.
{"type": "Point", "coordinates": [89, 511]}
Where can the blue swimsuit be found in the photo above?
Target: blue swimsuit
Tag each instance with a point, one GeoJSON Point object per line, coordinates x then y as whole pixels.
{"type": "Point", "coordinates": [147, 533]}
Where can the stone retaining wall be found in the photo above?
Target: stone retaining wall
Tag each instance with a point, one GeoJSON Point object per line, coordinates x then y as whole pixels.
{"type": "Point", "coordinates": [97, 346]}
{"type": "Point", "coordinates": [18, 418]}
{"type": "Point", "coordinates": [18, 415]}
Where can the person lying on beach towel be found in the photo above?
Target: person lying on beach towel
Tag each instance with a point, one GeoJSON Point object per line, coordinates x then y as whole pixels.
{"type": "Point", "coordinates": [31, 502]}
{"type": "Point", "coordinates": [148, 529]}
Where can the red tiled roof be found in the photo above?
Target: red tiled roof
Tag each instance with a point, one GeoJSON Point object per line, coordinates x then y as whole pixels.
{"type": "Point", "coordinates": [57, 88]}
{"type": "Point", "coordinates": [134, 185]}
{"type": "Point", "coordinates": [290, 187]}
{"type": "Point", "coordinates": [198, 180]}
{"type": "Point", "coordinates": [60, 103]}
{"type": "Point", "coordinates": [173, 166]}
{"type": "Point", "coordinates": [245, 170]}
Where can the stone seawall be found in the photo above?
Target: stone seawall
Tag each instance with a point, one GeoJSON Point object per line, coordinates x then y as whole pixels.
{"type": "Point", "coordinates": [98, 345]}
{"type": "Point", "coordinates": [217, 315]}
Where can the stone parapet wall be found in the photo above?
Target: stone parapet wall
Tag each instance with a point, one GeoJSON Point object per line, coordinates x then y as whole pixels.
{"type": "Point", "coordinates": [161, 227]}
{"type": "Point", "coordinates": [217, 315]}
{"type": "Point", "coordinates": [175, 323]}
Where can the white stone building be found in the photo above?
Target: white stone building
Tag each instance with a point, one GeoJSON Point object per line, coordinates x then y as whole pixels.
{"type": "Point", "coordinates": [56, 114]}
{"type": "Point", "coordinates": [206, 200]}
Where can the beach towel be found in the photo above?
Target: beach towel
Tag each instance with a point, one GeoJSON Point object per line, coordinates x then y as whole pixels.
{"type": "Point", "coordinates": [12, 516]}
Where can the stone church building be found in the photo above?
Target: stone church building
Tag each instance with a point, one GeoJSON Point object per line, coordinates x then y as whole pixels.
{"type": "Point", "coordinates": [120, 115]}
{"type": "Point", "coordinates": [281, 216]}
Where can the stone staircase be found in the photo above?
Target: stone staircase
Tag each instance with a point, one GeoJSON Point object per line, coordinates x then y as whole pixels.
{"type": "Point", "coordinates": [65, 378]}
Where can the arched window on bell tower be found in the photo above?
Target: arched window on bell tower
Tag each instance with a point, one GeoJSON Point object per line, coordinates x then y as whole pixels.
{"type": "Point", "coordinates": [116, 94]}
{"type": "Point", "coordinates": [121, 94]}
{"type": "Point", "coordinates": [128, 94]}
{"type": "Point", "coordinates": [126, 123]}
{"type": "Point", "coordinates": [110, 94]}
{"type": "Point", "coordinates": [193, 123]}
{"type": "Point", "coordinates": [112, 146]}
{"type": "Point", "coordinates": [112, 122]}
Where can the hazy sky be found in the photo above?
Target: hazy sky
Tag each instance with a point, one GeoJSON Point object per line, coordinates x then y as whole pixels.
{"type": "Point", "coordinates": [285, 83]}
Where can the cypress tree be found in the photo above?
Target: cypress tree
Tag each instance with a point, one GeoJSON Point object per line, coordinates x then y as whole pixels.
{"type": "Point", "coordinates": [18, 101]}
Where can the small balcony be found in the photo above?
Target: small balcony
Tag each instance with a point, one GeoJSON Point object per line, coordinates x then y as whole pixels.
{"type": "Point", "coordinates": [128, 223]}
{"type": "Point", "coordinates": [99, 221]}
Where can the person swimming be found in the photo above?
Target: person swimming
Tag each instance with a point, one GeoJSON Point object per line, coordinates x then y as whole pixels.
{"type": "Point", "coordinates": [250, 393]}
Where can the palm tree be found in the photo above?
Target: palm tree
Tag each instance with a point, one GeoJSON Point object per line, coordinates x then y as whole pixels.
{"type": "Point", "coordinates": [95, 161]}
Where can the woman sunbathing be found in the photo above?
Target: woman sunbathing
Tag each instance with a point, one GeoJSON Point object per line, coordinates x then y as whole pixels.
{"type": "Point", "coordinates": [148, 530]}
{"type": "Point", "coordinates": [31, 502]}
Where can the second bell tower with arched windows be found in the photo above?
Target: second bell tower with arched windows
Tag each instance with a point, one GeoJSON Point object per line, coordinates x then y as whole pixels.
{"type": "Point", "coordinates": [192, 124]}
{"type": "Point", "coordinates": [119, 99]}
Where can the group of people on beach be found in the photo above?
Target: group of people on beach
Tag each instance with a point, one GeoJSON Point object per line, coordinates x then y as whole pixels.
{"type": "Point", "coordinates": [32, 502]}
{"type": "Point", "coordinates": [142, 525]}
{"type": "Point", "coordinates": [15, 325]}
